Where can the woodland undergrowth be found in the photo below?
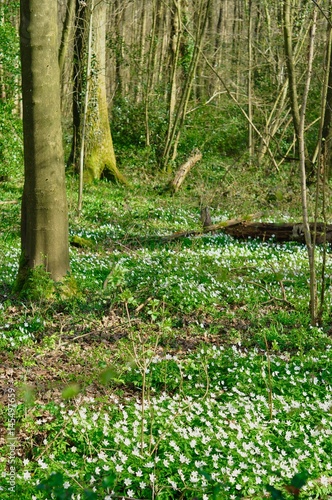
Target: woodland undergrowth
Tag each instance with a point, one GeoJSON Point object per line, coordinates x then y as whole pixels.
{"type": "Point", "coordinates": [166, 370]}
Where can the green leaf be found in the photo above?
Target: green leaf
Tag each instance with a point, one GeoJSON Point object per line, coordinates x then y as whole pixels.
{"type": "Point", "coordinates": [90, 495]}
{"type": "Point", "coordinates": [300, 479]}
{"type": "Point", "coordinates": [107, 375]}
{"type": "Point", "coordinates": [54, 480]}
{"type": "Point", "coordinates": [275, 494]}
{"type": "Point", "coordinates": [71, 391]}
{"type": "Point", "coordinates": [109, 480]}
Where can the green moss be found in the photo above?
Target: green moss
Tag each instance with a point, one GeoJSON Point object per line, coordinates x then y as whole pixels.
{"type": "Point", "coordinates": [78, 241]}
{"type": "Point", "coordinates": [97, 165]}
{"type": "Point", "coordinates": [68, 288]}
{"type": "Point", "coordinates": [36, 284]}
{"type": "Point", "coordinates": [22, 275]}
{"type": "Point", "coordinates": [33, 284]}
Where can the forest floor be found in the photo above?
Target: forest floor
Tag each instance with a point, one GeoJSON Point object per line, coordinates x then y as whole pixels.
{"type": "Point", "coordinates": [168, 369]}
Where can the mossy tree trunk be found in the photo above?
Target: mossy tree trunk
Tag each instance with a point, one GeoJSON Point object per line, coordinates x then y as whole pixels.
{"type": "Point", "coordinates": [99, 157]}
{"type": "Point", "coordinates": [44, 219]}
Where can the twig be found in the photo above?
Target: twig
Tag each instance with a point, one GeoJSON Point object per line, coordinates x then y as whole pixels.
{"type": "Point", "coordinates": [272, 297]}
{"type": "Point", "coordinates": [270, 377]}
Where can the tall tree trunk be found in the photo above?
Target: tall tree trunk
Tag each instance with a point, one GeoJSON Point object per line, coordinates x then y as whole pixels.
{"type": "Point", "coordinates": [65, 57]}
{"type": "Point", "coordinates": [78, 71]}
{"type": "Point", "coordinates": [175, 44]}
{"type": "Point", "coordinates": [217, 47]}
{"type": "Point", "coordinates": [250, 83]}
{"type": "Point", "coordinates": [99, 153]}
{"type": "Point", "coordinates": [299, 113]}
{"type": "Point", "coordinates": [175, 128]}
{"type": "Point", "coordinates": [163, 19]}
{"type": "Point", "coordinates": [293, 93]}
{"type": "Point", "coordinates": [44, 225]}
{"type": "Point", "coordinates": [65, 36]}
{"type": "Point", "coordinates": [118, 27]}
{"type": "Point", "coordinates": [326, 134]}
{"type": "Point", "coordinates": [139, 87]}
{"type": "Point", "coordinates": [151, 59]}
{"type": "Point", "coordinates": [99, 157]}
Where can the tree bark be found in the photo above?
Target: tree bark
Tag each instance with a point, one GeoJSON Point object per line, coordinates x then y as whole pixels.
{"type": "Point", "coordinates": [65, 36]}
{"type": "Point", "coordinates": [250, 83]}
{"type": "Point", "coordinates": [99, 157]}
{"type": "Point", "coordinates": [183, 171]}
{"type": "Point", "coordinates": [299, 126]}
{"type": "Point", "coordinates": [176, 126]}
{"type": "Point", "coordinates": [175, 44]}
{"type": "Point", "coordinates": [44, 220]}
{"type": "Point", "coordinates": [326, 134]}
{"type": "Point", "coordinates": [245, 229]}
{"type": "Point", "coordinates": [293, 93]}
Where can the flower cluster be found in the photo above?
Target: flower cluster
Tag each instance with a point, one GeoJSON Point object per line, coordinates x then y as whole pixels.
{"type": "Point", "coordinates": [193, 442]}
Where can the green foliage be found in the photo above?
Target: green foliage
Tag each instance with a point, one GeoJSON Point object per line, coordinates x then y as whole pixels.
{"type": "Point", "coordinates": [11, 145]}
{"type": "Point", "coordinates": [207, 435]}
{"type": "Point", "coordinates": [297, 482]}
{"type": "Point", "coordinates": [71, 391]}
{"type": "Point", "coordinates": [9, 56]}
{"type": "Point", "coordinates": [79, 242]}
{"type": "Point", "coordinates": [34, 284]}
{"type": "Point", "coordinates": [14, 334]}
{"type": "Point", "coordinates": [54, 485]}
{"type": "Point", "coordinates": [128, 125]}
{"type": "Point", "coordinates": [215, 130]}
{"type": "Point", "coordinates": [182, 324]}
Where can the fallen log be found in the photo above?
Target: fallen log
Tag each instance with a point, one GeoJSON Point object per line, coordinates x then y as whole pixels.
{"type": "Point", "coordinates": [181, 174]}
{"type": "Point", "coordinates": [221, 226]}
{"type": "Point", "coordinates": [245, 228]}
{"type": "Point", "coordinates": [281, 232]}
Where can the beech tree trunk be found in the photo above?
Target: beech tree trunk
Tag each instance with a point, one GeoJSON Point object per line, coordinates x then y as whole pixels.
{"type": "Point", "coordinates": [44, 221]}
{"type": "Point", "coordinates": [99, 157]}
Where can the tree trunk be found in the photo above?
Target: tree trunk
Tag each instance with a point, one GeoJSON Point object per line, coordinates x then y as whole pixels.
{"type": "Point", "coordinates": [118, 26]}
{"type": "Point", "coordinates": [175, 44]}
{"type": "Point", "coordinates": [326, 135]}
{"type": "Point", "coordinates": [65, 36]}
{"type": "Point", "coordinates": [245, 229]}
{"type": "Point", "coordinates": [293, 93]}
{"type": "Point", "coordinates": [299, 126]}
{"type": "Point", "coordinates": [250, 83]}
{"type": "Point", "coordinates": [151, 59]}
{"type": "Point", "coordinates": [176, 126]}
{"type": "Point", "coordinates": [183, 171]}
{"type": "Point", "coordinates": [99, 156]}
{"type": "Point", "coordinates": [78, 69]}
{"type": "Point", "coordinates": [44, 222]}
